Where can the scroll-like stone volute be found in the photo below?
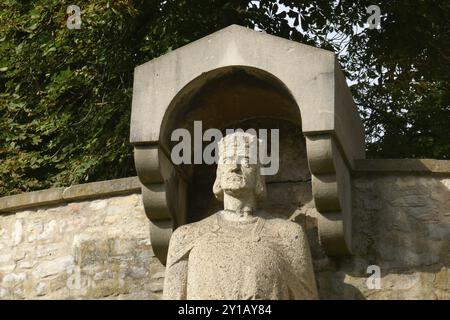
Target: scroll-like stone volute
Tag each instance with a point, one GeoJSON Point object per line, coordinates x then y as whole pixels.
{"type": "Point", "coordinates": [239, 252]}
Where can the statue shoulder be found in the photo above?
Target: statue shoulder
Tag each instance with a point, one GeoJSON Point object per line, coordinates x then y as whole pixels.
{"type": "Point", "coordinates": [291, 237]}
{"type": "Point", "coordinates": [189, 232]}
{"type": "Point", "coordinates": [184, 238]}
{"type": "Point", "coordinates": [286, 229]}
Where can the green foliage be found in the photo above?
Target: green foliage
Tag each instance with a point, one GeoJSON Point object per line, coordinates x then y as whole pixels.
{"type": "Point", "coordinates": [65, 95]}
{"type": "Point", "coordinates": [402, 78]}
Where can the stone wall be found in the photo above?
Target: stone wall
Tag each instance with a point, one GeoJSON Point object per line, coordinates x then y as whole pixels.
{"type": "Point", "coordinates": [93, 249]}
{"type": "Point", "coordinates": [92, 241]}
{"type": "Point", "coordinates": [401, 223]}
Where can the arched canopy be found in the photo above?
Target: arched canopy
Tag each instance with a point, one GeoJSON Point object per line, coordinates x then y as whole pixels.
{"type": "Point", "coordinates": [312, 76]}
{"type": "Point", "coordinates": [237, 73]}
{"type": "Point", "coordinates": [224, 96]}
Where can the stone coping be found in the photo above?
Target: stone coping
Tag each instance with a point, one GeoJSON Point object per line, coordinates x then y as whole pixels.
{"type": "Point", "coordinates": [73, 193]}
{"type": "Point", "coordinates": [402, 166]}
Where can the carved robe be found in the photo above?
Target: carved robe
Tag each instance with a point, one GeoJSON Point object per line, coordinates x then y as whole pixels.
{"type": "Point", "coordinates": [264, 258]}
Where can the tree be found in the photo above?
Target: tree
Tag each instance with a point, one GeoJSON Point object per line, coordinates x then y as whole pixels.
{"type": "Point", "coordinates": [402, 77]}
{"type": "Point", "coordinates": [66, 94]}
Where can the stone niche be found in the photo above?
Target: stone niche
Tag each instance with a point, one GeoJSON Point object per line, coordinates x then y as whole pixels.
{"type": "Point", "coordinates": [239, 78]}
{"type": "Point", "coordinates": [241, 98]}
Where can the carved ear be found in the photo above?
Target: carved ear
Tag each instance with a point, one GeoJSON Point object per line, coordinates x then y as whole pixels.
{"type": "Point", "coordinates": [260, 187]}
{"type": "Point", "coordinates": [217, 188]}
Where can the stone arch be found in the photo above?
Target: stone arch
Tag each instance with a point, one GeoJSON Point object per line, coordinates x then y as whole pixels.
{"type": "Point", "coordinates": [301, 76]}
{"type": "Point", "coordinates": [229, 98]}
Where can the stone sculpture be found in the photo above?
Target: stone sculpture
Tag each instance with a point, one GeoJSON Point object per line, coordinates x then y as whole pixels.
{"type": "Point", "coordinates": [240, 252]}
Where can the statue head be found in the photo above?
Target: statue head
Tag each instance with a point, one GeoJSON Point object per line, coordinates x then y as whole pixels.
{"type": "Point", "coordinates": [238, 170]}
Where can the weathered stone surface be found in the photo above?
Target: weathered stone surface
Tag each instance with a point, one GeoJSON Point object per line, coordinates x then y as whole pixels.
{"type": "Point", "coordinates": [79, 192]}
{"type": "Point", "coordinates": [205, 77]}
{"type": "Point", "coordinates": [240, 252]}
{"type": "Point", "coordinates": [90, 249]}
{"type": "Point", "coordinates": [406, 234]}
{"type": "Point", "coordinates": [102, 188]}
{"type": "Point", "coordinates": [53, 267]}
{"type": "Point", "coordinates": [113, 257]}
{"type": "Point", "coordinates": [30, 199]}
{"type": "Point", "coordinates": [312, 76]}
{"type": "Point", "coordinates": [402, 165]}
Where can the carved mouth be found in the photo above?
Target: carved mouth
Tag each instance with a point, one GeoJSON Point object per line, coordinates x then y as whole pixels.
{"type": "Point", "coordinates": [234, 177]}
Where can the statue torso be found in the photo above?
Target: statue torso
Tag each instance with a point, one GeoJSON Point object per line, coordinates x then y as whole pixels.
{"type": "Point", "coordinates": [237, 260]}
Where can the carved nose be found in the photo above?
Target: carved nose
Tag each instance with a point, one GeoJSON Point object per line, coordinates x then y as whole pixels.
{"type": "Point", "coordinates": [236, 168]}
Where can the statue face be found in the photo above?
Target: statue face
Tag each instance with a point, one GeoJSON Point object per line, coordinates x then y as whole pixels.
{"type": "Point", "coordinates": [238, 176]}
